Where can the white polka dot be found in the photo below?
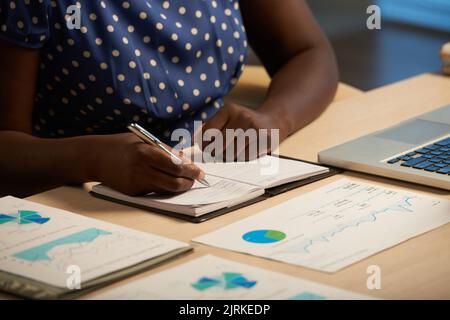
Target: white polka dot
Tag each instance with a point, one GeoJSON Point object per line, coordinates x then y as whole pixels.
{"type": "Point", "coordinates": [137, 89]}
{"type": "Point", "coordinates": [196, 92]}
{"type": "Point", "coordinates": [143, 15]}
{"type": "Point", "coordinates": [121, 77]}
{"type": "Point", "coordinates": [180, 83]}
{"type": "Point", "coordinates": [162, 85]}
{"type": "Point", "coordinates": [182, 10]}
{"type": "Point", "coordinates": [169, 109]}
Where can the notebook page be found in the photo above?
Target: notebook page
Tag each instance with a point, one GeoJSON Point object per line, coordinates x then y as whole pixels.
{"type": "Point", "coordinates": [265, 172]}
{"type": "Point", "coordinates": [221, 190]}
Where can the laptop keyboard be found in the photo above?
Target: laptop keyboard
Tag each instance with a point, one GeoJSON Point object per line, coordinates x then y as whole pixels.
{"type": "Point", "coordinates": [434, 157]}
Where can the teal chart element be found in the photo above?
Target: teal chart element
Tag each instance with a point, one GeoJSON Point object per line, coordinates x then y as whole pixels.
{"type": "Point", "coordinates": [226, 281]}
{"type": "Point", "coordinates": [23, 217]}
{"type": "Point", "coordinates": [307, 296]}
{"type": "Point", "coordinates": [39, 253]}
{"type": "Point", "coordinates": [264, 236]}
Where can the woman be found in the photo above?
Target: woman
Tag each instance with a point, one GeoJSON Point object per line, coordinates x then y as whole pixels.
{"type": "Point", "coordinates": [66, 95]}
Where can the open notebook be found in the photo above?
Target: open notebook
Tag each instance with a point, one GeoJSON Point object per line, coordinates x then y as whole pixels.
{"type": "Point", "coordinates": [233, 185]}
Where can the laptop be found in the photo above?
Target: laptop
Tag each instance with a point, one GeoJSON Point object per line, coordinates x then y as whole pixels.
{"type": "Point", "coordinates": [417, 150]}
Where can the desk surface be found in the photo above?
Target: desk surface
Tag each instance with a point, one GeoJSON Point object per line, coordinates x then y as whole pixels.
{"type": "Point", "coordinates": [418, 268]}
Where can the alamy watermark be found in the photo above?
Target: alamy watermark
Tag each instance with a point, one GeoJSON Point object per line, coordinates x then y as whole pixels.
{"type": "Point", "coordinates": [73, 281]}
{"type": "Point", "coordinates": [374, 20]}
{"type": "Point", "coordinates": [374, 279]}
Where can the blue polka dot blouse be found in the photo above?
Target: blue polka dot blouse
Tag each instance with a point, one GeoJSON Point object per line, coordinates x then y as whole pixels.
{"type": "Point", "coordinates": [162, 64]}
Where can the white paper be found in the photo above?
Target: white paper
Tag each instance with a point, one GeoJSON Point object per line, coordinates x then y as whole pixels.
{"type": "Point", "coordinates": [42, 246]}
{"type": "Point", "coordinates": [213, 278]}
{"type": "Point", "coordinates": [334, 226]}
{"type": "Point", "coordinates": [221, 190]}
{"type": "Point", "coordinates": [264, 172]}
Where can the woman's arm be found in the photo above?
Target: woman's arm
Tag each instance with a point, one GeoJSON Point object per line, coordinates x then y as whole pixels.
{"type": "Point", "coordinates": [296, 54]}
{"type": "Point", "coordinates": [29, 164]}
{"type": "Point", "coordinates": [300, 60]}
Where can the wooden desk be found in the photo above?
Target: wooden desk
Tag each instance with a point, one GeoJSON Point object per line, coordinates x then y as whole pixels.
{"type": "Point", "coordinates": [418, 268]}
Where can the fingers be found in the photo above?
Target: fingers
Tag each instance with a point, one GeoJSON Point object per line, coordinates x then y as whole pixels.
{"type": "Point", "coordinates": [151, 180]}
{"type": "Point", "coordinates": [161, 161]}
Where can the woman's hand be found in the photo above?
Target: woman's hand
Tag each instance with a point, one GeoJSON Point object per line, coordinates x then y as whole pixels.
{"type": "Point", "coordinates": [126, 164]}
{"type": "Point", "coordinates": [234, 116]}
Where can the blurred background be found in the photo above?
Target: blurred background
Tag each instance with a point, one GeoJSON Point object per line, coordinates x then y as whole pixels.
{"type": "Point", "coordinates": [408, 44]}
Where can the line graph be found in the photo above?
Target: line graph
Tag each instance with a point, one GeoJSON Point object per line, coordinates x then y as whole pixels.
{"type": "Point", "coordinates": [404, 206]}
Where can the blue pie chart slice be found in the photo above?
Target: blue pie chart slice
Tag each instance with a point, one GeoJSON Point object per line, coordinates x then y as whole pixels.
{"type": "Point", "coordinates": [264, 236]}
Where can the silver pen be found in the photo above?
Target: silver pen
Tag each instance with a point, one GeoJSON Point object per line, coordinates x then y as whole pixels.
{"type": "Point", "coordinates": [147, 137]}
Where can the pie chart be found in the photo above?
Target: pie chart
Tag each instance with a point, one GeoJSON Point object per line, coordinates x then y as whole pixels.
{"type": "Point", "coordinates": [264, 236]}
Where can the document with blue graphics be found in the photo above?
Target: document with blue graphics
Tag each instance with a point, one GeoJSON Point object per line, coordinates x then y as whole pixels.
{"type": "Point", "coordinates": [49, 253]}
{"type": "Point", "coordinates": [213, 278]}
{"type": "Point", "coordinates": [334, 226]}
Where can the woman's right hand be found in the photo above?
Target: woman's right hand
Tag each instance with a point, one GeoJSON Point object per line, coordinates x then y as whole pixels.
{"type": "Point", "coordinates": [126, 164]}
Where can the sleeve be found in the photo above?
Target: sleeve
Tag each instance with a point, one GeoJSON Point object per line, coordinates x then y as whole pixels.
{"type": "Point", "coordinates": [25, 22]}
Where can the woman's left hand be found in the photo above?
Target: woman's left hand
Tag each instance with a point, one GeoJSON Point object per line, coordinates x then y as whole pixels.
{"type": "Point", "coordinates": [240, 119]}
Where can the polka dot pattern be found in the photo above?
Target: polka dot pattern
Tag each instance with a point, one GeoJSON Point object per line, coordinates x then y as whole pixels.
{"type": "Point", "coordinates": [163, 64]}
